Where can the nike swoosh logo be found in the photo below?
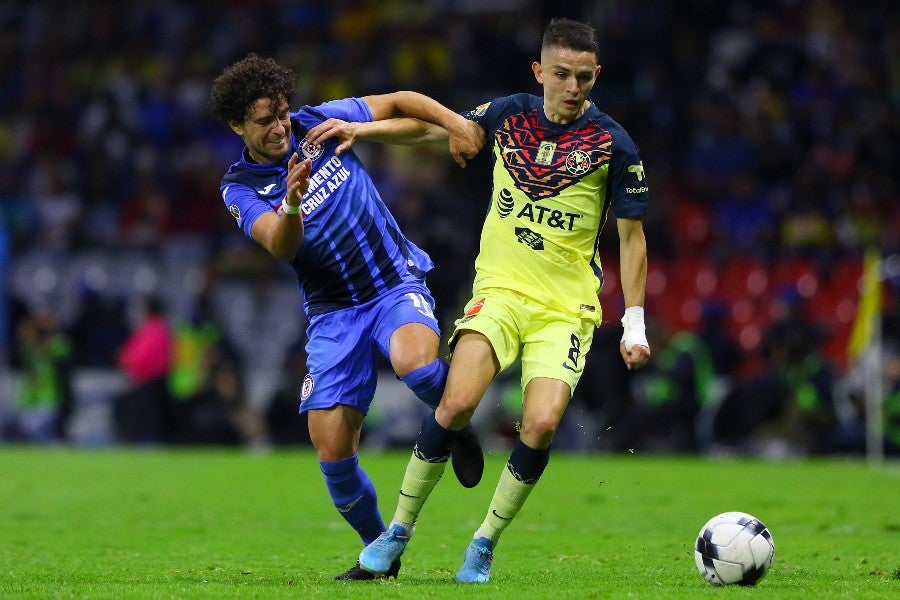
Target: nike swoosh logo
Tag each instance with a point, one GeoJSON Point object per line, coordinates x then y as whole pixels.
{"type": "Point", "coordinates": [402, 493]}
{"type": "Point", "coordinates": [499, 517]}
{"type": "Point", "coordinates": [266, 189]}
{"type": "Point", "coordinates": [349, 507]}
{"type": "Point", "coordinates": [508, 150]}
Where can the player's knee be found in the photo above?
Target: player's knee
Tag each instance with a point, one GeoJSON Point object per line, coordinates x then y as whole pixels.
{"type": "Point", "coordinates": [456, 410]}
{"type": "Point", "coordinates": [333, 452]}
{"type": "Point", "coordinates": [410, 360]}
{"type": "Point", "coordinates": [539, 432]}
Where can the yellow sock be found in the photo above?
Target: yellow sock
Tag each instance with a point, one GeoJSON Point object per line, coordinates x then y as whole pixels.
{"type": "Point", "coordinates": [418, 481]}
{"type": "Point", "coordinates": [508, 498]}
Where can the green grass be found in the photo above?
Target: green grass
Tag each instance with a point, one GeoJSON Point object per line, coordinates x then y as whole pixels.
{"type": "Point", "coordinates": [233, 524]}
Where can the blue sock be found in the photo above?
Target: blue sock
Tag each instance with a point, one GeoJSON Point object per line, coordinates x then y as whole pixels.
{"type": "Point", "coordinates": [434, 442]}
{"type": "Point", "coordinates": [526, 463]}
{"type": "Point", "coordinates": [354, 496]}
{"type": "Point", "coordinates": [427, 382]}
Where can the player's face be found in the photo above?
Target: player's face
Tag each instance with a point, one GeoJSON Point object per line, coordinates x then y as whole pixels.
{"type": "Point", "coordinates": [567, 76]}
{"type": "Point", "coordinates": [266, 131]}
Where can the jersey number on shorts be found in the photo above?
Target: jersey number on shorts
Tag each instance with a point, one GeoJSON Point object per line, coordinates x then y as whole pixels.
{"type": "Point", "coordinates": [421, 304]}
{"type": "Point", "coordinates": [574, 353]}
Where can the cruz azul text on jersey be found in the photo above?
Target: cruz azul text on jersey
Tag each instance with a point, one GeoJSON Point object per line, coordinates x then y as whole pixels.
{"type": "Point", "coordinates": [322, 183]}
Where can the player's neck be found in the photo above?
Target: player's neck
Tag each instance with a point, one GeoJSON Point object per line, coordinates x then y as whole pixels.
{"type": "Point", "coordinates": [560, 120]}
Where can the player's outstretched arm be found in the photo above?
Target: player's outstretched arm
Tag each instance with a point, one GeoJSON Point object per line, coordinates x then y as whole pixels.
{"type": "Point", "coordinates": [465, 141]}
{"type": "Point", "coordinates": [403, 131]}
{"type": "Point", "coordinates": [434, 123]}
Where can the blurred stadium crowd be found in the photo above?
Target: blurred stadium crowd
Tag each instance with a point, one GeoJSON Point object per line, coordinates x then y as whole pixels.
{"type": "Point", "coordinates": [769, 132]}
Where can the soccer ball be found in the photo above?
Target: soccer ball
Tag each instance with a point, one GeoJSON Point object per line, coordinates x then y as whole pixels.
{"type": "Point", "coordinates": [734, 548]}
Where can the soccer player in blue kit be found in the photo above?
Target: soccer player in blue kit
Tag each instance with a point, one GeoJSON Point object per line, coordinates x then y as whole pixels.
{"type": "Point", "coordinates": [362, 280]}
{"type": "Point", "coordinates": [560, 165]}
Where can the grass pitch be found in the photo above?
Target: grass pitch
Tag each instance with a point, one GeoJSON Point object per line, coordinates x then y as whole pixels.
{"type": "Point", "coordinates": [234, 524]}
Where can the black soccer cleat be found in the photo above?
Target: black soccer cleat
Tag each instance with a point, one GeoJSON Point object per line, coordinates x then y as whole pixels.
{"type": "Point", "coordinates": [357, 573]}
{"type": "Point", "coordinates": [467, 457]}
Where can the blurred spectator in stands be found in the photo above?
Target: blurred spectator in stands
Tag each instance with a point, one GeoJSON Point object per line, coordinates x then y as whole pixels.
{"type": "Point", "coordinates": [285, 424]}
{"type": "Point", "coordinates": [143, 413]}
{"type": "Point", "coordinates": [789, 409]}
{"type": "Point", "coordinates": [891, 403]}
{"type": "Point", "coordinates": [5, 297]}
{"type": "Point", "coordinates": [720, 151]}
{"type": "Point", "coordinates": [44, 399]}
{"type": "Point", "coordinates": [727, 359]}
{"type": "Point", "coordinates": [206, 385]}
{"type": "Point", "coordinates": [19, 214]}
{"type": "Point", "coordinates": [669, 395]}
{"type": "Point", "coordinates": [146, 219]}
{"type": "Point", "coordinates": [724, 351]}
{"type": "Point", "coordinates": [605, 387]}
{"type": "Point", "coordinates": [99, 329]}
{"type": "Point", "coordinates": [806, 228]}
{"type": "Point", "coordinates": [851, 434]}
{"type": "Point", "coordinates": [792, 332]}
{"type": "Point", "coordinates": [743, 223]}
{"type": "Point", "coordinates": [59, 206]}
{"type": "Point", "coordinates": [861, 224]}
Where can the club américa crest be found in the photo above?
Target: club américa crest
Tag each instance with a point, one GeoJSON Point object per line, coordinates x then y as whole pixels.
{"type": "Point", "coordinates": [578, 162]}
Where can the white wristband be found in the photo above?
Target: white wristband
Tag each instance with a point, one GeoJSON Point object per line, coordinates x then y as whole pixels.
{"type": "Point", "coordinates": [289, 209]}
{"type": "Point", "coordinates": [634, 332]}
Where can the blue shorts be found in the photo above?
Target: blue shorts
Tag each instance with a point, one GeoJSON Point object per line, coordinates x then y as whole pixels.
{"type": "Point", "coordinates": [342, 343]}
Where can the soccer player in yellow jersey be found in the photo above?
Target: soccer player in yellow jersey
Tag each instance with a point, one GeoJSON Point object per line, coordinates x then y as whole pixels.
{"type": "Point", "coordinates": [559, 166]}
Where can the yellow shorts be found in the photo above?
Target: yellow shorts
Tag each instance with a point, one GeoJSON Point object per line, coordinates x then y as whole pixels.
{"type": "Point", "coordinates": [552, 344]}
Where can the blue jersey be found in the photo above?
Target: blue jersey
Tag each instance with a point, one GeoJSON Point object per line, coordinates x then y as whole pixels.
{"type": "Point", "coordinates": [352, 250]}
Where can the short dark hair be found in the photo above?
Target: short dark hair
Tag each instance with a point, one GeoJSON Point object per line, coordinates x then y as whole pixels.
{"type": "Point", "coordinates": [236, 89]}
{"type": "Point", "coordinates": [573, 35]}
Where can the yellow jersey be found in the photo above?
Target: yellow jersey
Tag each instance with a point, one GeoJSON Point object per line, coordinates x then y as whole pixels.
{"type": "Point", "coordinates": [553, 186]}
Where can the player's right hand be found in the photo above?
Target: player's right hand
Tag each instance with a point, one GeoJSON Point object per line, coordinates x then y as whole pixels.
{"type": "Point", "coordinates": [297, 179]}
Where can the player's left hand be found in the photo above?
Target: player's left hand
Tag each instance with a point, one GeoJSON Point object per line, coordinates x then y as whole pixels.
{"type": "Point", "coordinates": [343, 130]}
{"type": "Point", "coordinates": [466, 141]}
{"type": "Point", "coordinates": [635, 358]}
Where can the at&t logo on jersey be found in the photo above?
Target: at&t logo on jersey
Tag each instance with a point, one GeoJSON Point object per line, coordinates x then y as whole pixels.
{"type": "Point", "coordinates": [311, 151]}
{"type": "Point", "coordinates": [505, 203]}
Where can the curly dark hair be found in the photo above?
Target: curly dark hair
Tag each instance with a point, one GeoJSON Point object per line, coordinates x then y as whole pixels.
{"type": "Point", "coordinates": [236, 89]}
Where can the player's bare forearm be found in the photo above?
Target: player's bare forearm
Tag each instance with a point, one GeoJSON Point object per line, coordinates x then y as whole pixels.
{"type": "Point", "coordinates": [415, 105]}
{"type": "Point", "coordinates": [632, 260]}
{"type": "Point", "coordinates": [402, 131]}
{"type": "Point", "coordinates": [465, 137]}
{"type": "Point", "coordinates": [633, 266]}
{"type": "Point", "coordinates": [282, 234]}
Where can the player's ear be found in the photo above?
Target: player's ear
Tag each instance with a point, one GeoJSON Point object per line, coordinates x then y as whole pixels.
{"type": "Point", "coordinates": [238, 128]}
{"type": "Point", "coordinates": [538, 72]}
